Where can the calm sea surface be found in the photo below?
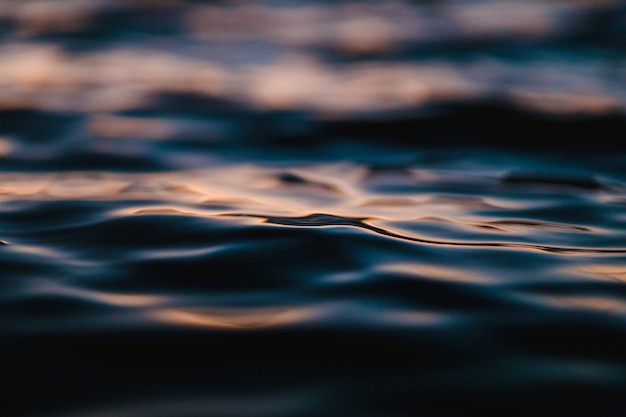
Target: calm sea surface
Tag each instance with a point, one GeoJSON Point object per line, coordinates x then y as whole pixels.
{"type": "Point", "coordinates": [242, 208]}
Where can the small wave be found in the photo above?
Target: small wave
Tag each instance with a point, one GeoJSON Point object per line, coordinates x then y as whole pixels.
{"type": "Point", "coordinates": [309, 208]}
{"type": "Point", "coordinates": [333, 220]}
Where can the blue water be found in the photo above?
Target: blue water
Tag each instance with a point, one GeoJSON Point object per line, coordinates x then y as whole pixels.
{"type": "Point", "coordinates": [312, 208]}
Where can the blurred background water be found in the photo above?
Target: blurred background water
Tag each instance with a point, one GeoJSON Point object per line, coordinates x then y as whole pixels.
{"type": "Point", "coordinates": [272, 208]}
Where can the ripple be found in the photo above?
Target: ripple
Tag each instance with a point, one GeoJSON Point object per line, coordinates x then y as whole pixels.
{"type": "Point", "coordinates": [291, 179]}
{"type": "Point", "coordinates": [333, 220]}
{"type": "Point", "coordinates": [233, 318]}
{"type": "Point", "coordinates": [312, 208]}
{"type": "Point", "coordinates": [540, 225]}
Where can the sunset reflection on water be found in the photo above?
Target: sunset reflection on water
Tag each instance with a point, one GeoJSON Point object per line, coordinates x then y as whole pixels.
{"type": "Point", "coordinates": [383, 208]}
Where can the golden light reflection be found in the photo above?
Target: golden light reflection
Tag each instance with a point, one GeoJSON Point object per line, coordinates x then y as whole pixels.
{"type": "Point", "coordinates": [263, 192]}
{"type": "Point", "coordinates": [53, 80]}
{"type": "Point", "coordinates": [37, 17]}
{"type": "Point", "coordinates": [414, 318]}
{"type": "Point", "coordinates": [129, 127]}
{"type": "Point", "coordinates": [18, 185]}
{"type": "Point", "coordinates": [42, 75]}
{"type": "Point", "coordinates": [175, 186]}
{"type": "Point", "coordinates": [354, 27]}
{"type": "Point", "coordinates": [6, 146]}
{"type": "Point", "coordinates": [234, 318]}
{"type": "Point", "coordinates": [597, 303]}
{"type": "Point", "coordinates": [66, 185]}
{"type": "Point", "coordinates": [465, 223]}
{"type": "Point", "coordinates": [128, 300]}
{"type": "Point", "coordinates": [441, 203]}
{"type": "Point", "coordinates": [558, 102]}
{"type": "Point", "coordinates": [76, 187]}
{"type": "Point", "coordinates": [435, 272]}
{"type": "Point", "coordinates": [389, 202]}
{"type": "Point", "coordinates": [169, 210]}
{"type": "Point", "coordinates": [526, 20]}
{"type": "Point", "coordinates": [332, 188]}
{"type": "Point", "coordinates": [365, 35]}
{"type": "Point", "coordinates": [297, 83]}
{"type": "Point", "coordinates": [161, 210]}
{"type": "Point", "coordinates": [112, 299]}
{"type": "Point", "coordinates": [613, 272]}
{"type": "Point", "coordinates": [37, 251]}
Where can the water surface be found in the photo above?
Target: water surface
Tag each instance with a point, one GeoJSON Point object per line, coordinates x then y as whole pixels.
{"type": "Point", "coordinates": [312, 208]}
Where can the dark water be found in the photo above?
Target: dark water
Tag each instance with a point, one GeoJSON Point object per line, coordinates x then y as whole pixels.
{"type": "Point", "coordinates": [312, 208]}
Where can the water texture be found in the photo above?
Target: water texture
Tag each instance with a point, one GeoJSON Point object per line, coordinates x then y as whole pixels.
{"type": "Point", "coordinates": [386, 208]}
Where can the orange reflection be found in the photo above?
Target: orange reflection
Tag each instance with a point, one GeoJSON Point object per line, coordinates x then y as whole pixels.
{"type": "Point", "coordinates": [76, 187]}
{"type": "Point", "coordinates": [19, 185]}
{"type": "Point", "coordinates": [414, 318]}
{"type": "Point", "coordinates": [435, 272]}
{"type": "Point", "coordinates": [309, 84]}
{"type": "Point", "coordinates": [234, 318]}
{"type": "Point", "coordinates": [129, 127]}
{"type": "Point", "coordinates": [598, 303]}
{"type": "Point", "coordinates": [45, 77]}
{"type": "Point", "coordinates": [389, 202]}
{"type": "Point", "coordinates": [66, 185]}
{"type": "Point", "coordinates": [558, 102]}
{"type": "Point", "coordinates": [160, 210]}
{"type": "Point", "coordinates": [5, 146]}
{"type": "Point", "coordinates": [614, 272]}
{"type": "Point", "coordinates": [128, 300]}
{"type": "Point", "coordinates": [526, 20]}
{"type": "Point", "coordinates": [112, 299]}
{"type": "Point", "coordinates": [37, 75]}
{"type": "Point", "coordinates": [37, 17]}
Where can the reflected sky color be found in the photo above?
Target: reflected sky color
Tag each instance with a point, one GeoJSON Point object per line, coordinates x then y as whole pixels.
{"type": "Point", "coordinates": [231, 318]}
{"type": "Point", "coordinates": [218, 58]}
{"type": "Point", "coordinates": [302, 208]}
